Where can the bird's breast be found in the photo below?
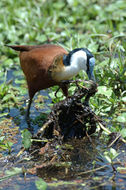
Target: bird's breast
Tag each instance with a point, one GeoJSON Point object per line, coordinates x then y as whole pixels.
{"type": "Point", "coordinates": [60, 72]}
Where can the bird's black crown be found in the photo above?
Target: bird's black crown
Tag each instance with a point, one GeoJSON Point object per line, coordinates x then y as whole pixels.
{"type": "Point", "coordinates": [67, 58]}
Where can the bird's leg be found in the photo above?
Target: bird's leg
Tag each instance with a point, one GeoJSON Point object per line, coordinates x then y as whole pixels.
{"type": "Point", "coordinates": [28, 110]}
{"type": "Point", "coordinates": [64, 87]}
{"type": "Point", "coordinates": [57, 91]}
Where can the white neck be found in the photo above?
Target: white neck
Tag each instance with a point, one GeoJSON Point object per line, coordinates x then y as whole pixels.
{"type": "Point", "coordinates": [79, 60]}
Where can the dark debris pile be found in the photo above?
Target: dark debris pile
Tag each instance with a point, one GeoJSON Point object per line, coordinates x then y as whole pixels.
{"type": "Point", "coordinates": [72, 117]}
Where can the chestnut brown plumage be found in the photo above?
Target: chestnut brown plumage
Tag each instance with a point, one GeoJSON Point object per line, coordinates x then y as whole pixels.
{"type": "Point", "coordinates": [35, 62]}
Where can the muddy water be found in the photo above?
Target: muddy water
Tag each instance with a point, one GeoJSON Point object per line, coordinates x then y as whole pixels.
{"type": "Point", "coordinates": [88, 169]}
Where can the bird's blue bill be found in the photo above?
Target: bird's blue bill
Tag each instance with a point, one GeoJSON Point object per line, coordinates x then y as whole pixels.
{"type": "Point", "coordinates": [91, 69]}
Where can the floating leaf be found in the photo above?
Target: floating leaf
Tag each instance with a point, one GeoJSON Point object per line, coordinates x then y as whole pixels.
{"type": "Point", "coordinates": [11, 172]}
{"type": "Point", "coordinates": [41, 184]}
{"type": "Point", "coordinates": [14, 171]}
{"type": "Point", "coordinates": [26, 138]}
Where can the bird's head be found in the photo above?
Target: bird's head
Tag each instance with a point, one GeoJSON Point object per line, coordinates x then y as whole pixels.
{"type": "Point", "coordinates": [81, 59]}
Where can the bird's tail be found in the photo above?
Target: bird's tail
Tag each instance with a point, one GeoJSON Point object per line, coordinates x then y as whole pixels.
{"type": "Point", "coordinates": [22, 47]}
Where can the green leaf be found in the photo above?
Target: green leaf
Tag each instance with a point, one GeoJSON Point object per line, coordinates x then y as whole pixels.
{"type": "Point", "coordinates": [2, 138]}
{"type": "Point", "coordinates": [72, 88]}
{"type": "Point", "coordinates": [3, 114]}
{"type": "Point", "coordinates": [59, 94]}
{"type": "Point", "coordinates": [123, 133]}
{"type": "Point", "coordinates": [104, 91]}
{"type": "Point", "coordinates": [113, 153]}
{"type": "Point", "coordinates": [110, 155]}
{"type": "Point", "coordinates": [52, 95]}
{"type": "Point", "coordinates": [121, 118]}
{"type": "Point", "coordinates": [41, 184]}
{"type": "Point", "coordinates": [14, 171]}
{"type": "Point", "coordinates": [10, 173]}
{"type": "Point", "coordinates": [26, 138]}
{"type": "Point", "coordinates": [8, 97]}
{"type": "Point", "coordinates": [108, 158]}
{"type": "Point", "coordinates": [124, 99]}
{"type": "Point", "coordinates": [3, 146]}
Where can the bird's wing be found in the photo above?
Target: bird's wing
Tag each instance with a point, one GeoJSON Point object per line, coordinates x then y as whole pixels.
{"type": "Point", "coordinates": [57, 65]}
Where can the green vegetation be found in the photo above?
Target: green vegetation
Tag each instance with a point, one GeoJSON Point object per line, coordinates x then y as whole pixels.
{"type": "Point", "coordinates": [40, 184]}
{"type": "Point", "coordinates": [97, 25]}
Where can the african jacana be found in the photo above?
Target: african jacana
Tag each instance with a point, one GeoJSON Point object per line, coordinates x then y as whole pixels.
{"type": "Point", "coordinates": [48, 65]}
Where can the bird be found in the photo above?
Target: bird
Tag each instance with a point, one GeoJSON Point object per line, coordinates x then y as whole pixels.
{"type": "Point", "coordinates": [48, 65]}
